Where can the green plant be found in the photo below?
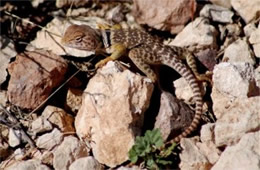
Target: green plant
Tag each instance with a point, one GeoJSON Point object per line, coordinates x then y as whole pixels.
{"type": "Point", "coordinates": [150, 150]}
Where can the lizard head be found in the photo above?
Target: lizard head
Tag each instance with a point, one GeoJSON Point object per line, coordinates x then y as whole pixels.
{"type": "Point", "coordinates": [81, 37]}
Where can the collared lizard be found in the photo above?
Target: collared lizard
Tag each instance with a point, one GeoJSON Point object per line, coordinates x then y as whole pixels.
{"type": "Point", "coordinates": [144, 50]}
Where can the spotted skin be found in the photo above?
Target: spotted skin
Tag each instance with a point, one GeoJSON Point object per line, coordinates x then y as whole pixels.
{"type": "Point", "coordinates": [145, 50]}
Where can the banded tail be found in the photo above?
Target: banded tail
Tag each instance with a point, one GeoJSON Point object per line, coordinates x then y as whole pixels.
{"type": "Point", "coordinates": [181, 68]}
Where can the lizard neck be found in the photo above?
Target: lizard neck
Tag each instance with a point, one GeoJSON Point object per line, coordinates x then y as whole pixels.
{"type": "Point", "coordinates": [106, 37]}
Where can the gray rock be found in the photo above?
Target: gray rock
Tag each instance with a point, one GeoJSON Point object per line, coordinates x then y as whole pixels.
{"type": "Point", "coordinates": [217, 13]}
{"type": "Point", "coordinates": [224, 3]}
{"type": "Point", "coordinates": [29, 164]}
{"type": "Point", "coordinates": [254, 39]}
{"type": "Point", "coordinates": [88, 163]}
{"type": "Point", "coordinates": [50, 140]}
{"type": "Point", "coordinates": [14, 138]}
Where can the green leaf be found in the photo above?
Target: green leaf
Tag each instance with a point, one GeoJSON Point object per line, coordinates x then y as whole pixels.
{"type": "Point", "coordinates": [133, 156]}
{"type": "Point", "coordinates": [163, 162]}
{"type": "Point", "coordinates": [154, 137]}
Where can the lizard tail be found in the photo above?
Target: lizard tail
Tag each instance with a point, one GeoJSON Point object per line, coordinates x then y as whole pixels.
{"type": "Point", "coordinates": [190, 78]}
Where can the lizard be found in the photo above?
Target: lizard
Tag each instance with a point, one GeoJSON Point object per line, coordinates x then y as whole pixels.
{"type": "Point", "coordinates": [144, 50]}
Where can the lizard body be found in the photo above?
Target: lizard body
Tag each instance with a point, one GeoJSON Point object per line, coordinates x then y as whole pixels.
{"type": "Point", "coordinates": [144, 50]}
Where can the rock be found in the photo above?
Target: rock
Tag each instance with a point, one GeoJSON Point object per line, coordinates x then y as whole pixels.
{"type": "Point", "coordinates": [210, 151]}
{"type": "Point", "coordinates": [112, 112]}
{"type": "Point", "coordinates": [217, 13]}
{"type": "Point", "coordinates": [68, 3]}
{"type": "Point", "coordinates": [4, 149]}
{"type": "Point", "coordinates": [19, 154]}
{"type": "Point", "coordinates": [208, 58]}
{"type": "Point", "coordinates": [164, 15]}
{"type": "Point", "coordinates": [74, 99]}
{"type": "Point", "coordinates": [57, 27]}
{"type": "Point", "coordinates": [14, 138]}
{"type": "Point", "coordinates": [29, 164]}
{"type": "Point", "coordinates": [239, 51]}
{"type": "Point", "coordinates": [174, 116]}
{"type": "Point", "coordinates": [207, 132]}
{"type": "Point", "coordinates": [130, 168]}
{"type": "Point", "coordinates": [191, 157]}
{"type": "Point", "coordinates": [238, 118]}
{"type": "Point", "coordinates": [59, 118]}
{"type": "Point", "coordinates": [224, 3]}
{"type": "Point", "coordinates": [50, 140]}
{"type": "Point", "coordinates": [41, 125]}
{"type": "Point", "coordinates": [226, 76]}
{"type": "Point", "coordinates": [3, 98]}
{"type": "Point", "coordinates": [257, 76]}
{"type": "Point", "coordinates": [200, 34]}
{"type": "Point", "coordinates": [69, 150]}
{"type": "Point", "coordinates": [88, 163]}
{"type": "Point", "coordinates": [6, 53]}
{"type": "Point", "coordinates": [243, 155]}
{"type": "Point", "coordinates": [254, 40]}
{"type": "Point", "coordinates": [246, 9]}
{"type": "Point", "coordinates": [33, 77]}
{"type": "Point", "coordinates": [249, 29]}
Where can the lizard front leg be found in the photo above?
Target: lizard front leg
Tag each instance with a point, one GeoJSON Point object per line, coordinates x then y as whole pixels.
{"type": "Point", "coordinates": [117, 51]}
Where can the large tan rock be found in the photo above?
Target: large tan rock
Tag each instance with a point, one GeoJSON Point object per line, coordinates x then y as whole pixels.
{"type": "Point", "coordinates": [165, 15]}
{"type": "Point", "coordinates": [33, 77]}
{"type": "Point", "coordinates": [112, 112]}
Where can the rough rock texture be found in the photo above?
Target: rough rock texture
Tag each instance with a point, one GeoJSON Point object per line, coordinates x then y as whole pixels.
{"type": "Point", "coordinates": [112, 112]}
{"type": "Point", "coordinates": [6, 53]}
{"type": "Point", "coordinates": [33, 77]}
{"type": "Point", "coordinates": [224, 3]}
{"type": "Point", "coordinates": [255, 41]}
{"type": "Point", "coordinates": [87, 163]}
{"type": "Point", "coordinates": [170, 15]}
{"type": "Point", "coordinates": [249, 29]}
{"type": "Point", "coordinates": [29, 164]}
{"type": "Point", "coordinates": [246, 9]}
{"type": "Point", "coordinates": [200, 33]}
{"type": "Point", "coordinates": [191, 157]}
{"type": "Point", "coordinates": [69, 150]}
{"type": "Point", "coordinates": [173, 117]}
{"type": "Point", "coordinates": [239, 51]}
{"type": "Point", "coordinates": [244, 155]}
{"type": "Point", "coordinates": [59, 118]}
{"type": "Point", "coordinates": [14, 137]}
{"type": "Point", "coordinates": [3, 98]}
{"type": "Point", "coordinates": [50, 140]}
{"type": "Point", "coordinates": [74, 99]}
{"type": "Point", "coordinates": [217, 13]}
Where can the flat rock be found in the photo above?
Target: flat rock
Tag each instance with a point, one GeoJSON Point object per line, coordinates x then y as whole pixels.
{"type": "Point", "coordinates": [87, 163]}
{"type": "Point", "coordinates": [198, 33]}
{"type": "Point", "coordinates": [191, 157]}
{"type": "Point", "coordinates": [244, 155]}
{"type": "Point", "coordinates": [112, 112]}
{"type": "Point", "coordinates": [6, 53]}
{"type": "Point", "coordinates": [40, 125]}
{"type": "Point", "coordinates": [246, 9]}
{"type": "Point", "coordinates": [33, 77]}
{"type": "Point", "coordinates": [217, 13]}
{"type": "Point", "coordinates": [239, 51]}
{"type": "Point", "coordinates": [174, 116]}
{"type": "Point", "coordinates": [29, 164]}
{"type": "Point", "coordinates": [70, 149]}
{"type": "Point", "coordinates": [224, 3]}
{"type": "Point", "coordinates": [165, 15]}
{"type": "Point", "coordinates": [49, 140]}
{"type": "Point", "coordinates": [254, 40]}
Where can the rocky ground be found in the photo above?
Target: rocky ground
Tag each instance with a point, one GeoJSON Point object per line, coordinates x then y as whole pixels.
{"type": "Point", "coordinates": [53, 116]}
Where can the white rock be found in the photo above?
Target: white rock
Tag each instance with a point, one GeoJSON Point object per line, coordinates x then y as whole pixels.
{"type": "Point", "coordinates": [210, 150]}
{"type": "Point", "coordinates": [191, 157]}
{"type": "Point", "coordinates": [112, 112]}
{"type": "Point", "coordinates": [183, 90]}
{"type": "Point", "coordinates": [3, 97]}
{"type": "Point", "coordinates": [50, 140]}
{"type": "Point", "coordinates": [14, 138]}
{"type": "Point", "coordinates": [207, 132]}
{"type": "Point", "coordinates": [40, 125]}
{"type": "Point", "coordinates": [19, 154]}
{"type": "Point", "coordinates": [226, 76]}
{"type": "Point", "coordinates": [247, 9]}
{"type": "Point", "coordinates": [249, 29]}
{"type": "Point", "coordinates": [217, 13]}
{"type": "Point", "coordinates": [132, 168]}
{"type": "Point", "coordinates": [255, 41]}
{"type": "Point", "coordinates": [239, 51]}
{"type": "Point", "coordinates": [243, 155]}
{"type": "Point", "coordinates": [88, 163]}
{"type": "Point", "coordinates": [6, 53]}
{"type": "Point", "coordinates": [197, 33]}
{"type": "Point", "coordinates": [238, 118]}
{"type": "Point", "coordinates": [29, 164]}
{"type": "Point", "coordinates": [224, 3]}
{"type": "Point", "coordinates": [69, 150]}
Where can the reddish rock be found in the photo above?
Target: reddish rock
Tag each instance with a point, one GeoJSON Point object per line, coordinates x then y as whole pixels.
{"type": "Point", "coordinates": [165, 15]}
{"type": "Point", "coordinates": [33, 77]}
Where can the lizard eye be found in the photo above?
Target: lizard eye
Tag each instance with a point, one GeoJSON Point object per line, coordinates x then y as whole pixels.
{"type": "Point", "coordinates": [78, 39]}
